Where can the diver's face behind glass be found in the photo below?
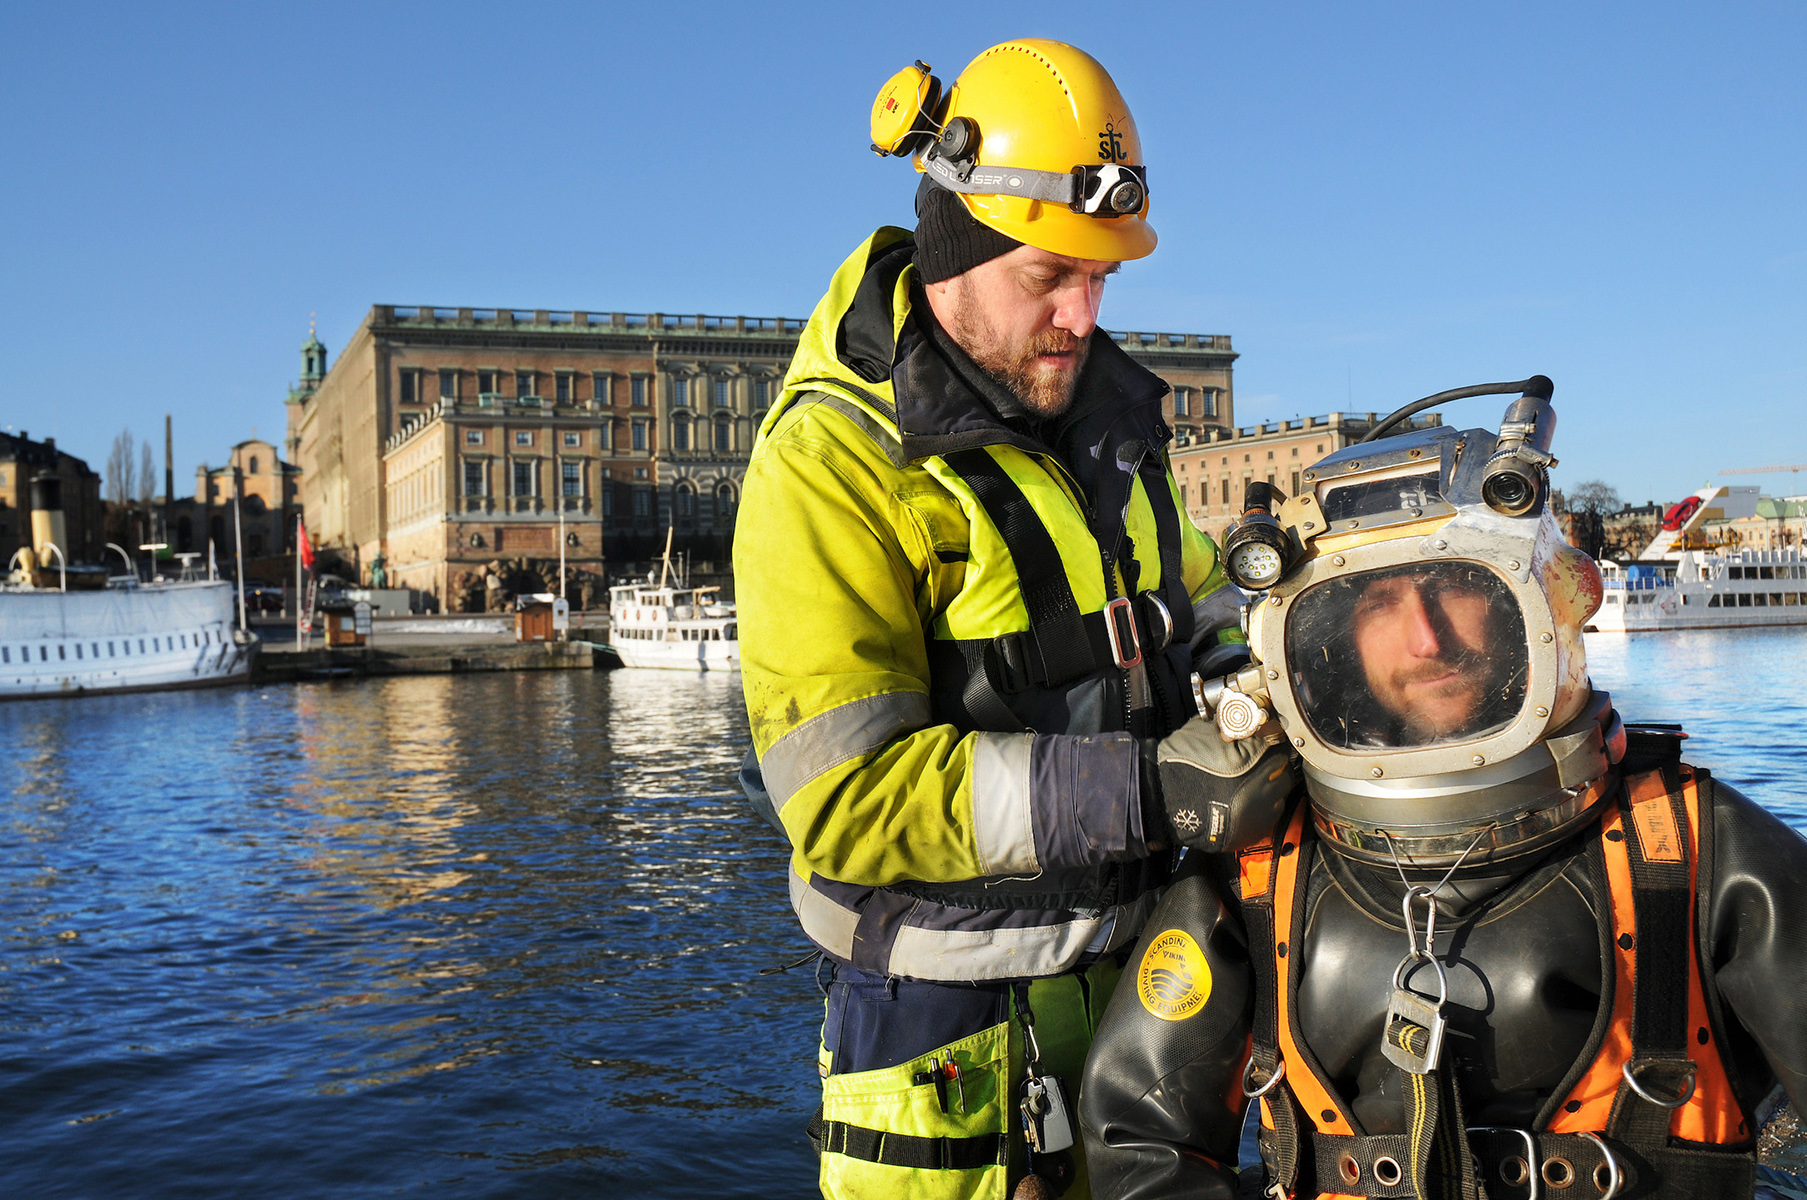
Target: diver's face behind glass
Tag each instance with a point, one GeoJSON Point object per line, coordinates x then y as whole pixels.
{"type": "Point", "coordinates": [1422, 641]}
{"type": "Point", "coordinates": [1403, 658]}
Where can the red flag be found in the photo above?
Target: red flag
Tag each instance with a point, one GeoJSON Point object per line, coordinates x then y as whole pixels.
{"type": "Point", "coordinates": [307, 551]}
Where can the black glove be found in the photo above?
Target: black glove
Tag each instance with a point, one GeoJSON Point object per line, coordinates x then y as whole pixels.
{"type": "Point", "coordinates": [1214, 795]}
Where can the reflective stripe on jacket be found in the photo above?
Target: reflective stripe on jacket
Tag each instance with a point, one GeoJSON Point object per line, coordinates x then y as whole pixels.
{"type": "Point", "coordinates": [933, 838]}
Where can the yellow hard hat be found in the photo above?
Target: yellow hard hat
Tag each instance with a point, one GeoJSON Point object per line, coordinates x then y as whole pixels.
{"type": "Point", "coordinates": [1037, 142]}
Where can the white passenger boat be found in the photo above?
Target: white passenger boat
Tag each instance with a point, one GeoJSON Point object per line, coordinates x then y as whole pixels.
{"type": "Point", "coordinates": [1703, 589]}
{"type": "Point", "coordinates": [1680, 582]}
{"type": "Point", "coordinates": [120, 638]}
{"type": "Point", "coordinates": [670, 625]}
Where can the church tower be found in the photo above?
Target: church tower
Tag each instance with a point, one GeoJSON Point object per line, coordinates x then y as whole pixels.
{"type": "Point", "coordinates": [313, 371]}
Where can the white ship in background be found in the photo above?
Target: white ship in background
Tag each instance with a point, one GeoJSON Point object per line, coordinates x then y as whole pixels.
{"type": "Point", "coordinates": [70, 629]}
{"type": "Point", "coordinates": [1682, 582]}
{"type": "Point", "coordinates": [671, 625]}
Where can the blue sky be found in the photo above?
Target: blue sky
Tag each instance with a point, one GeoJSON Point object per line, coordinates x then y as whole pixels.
{"type": "Point", "coordinates": [1376, 201]}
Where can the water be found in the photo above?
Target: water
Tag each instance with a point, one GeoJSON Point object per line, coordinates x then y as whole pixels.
{"type": "Point", "coordinates": [477, 936]}
{"type": "Point", "coordinates": [461, 936]}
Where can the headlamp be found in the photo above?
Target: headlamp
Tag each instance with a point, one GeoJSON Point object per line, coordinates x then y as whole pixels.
{"type": "Point", "coordinates": [1257, 551]}
{"type": "Point", "coordinates": [1097, 190]}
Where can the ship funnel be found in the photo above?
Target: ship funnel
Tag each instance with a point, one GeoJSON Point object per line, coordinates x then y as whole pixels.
{"type": "Point", "coordinates": [47, 523]}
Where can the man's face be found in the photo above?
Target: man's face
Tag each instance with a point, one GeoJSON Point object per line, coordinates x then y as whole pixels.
{"type": "Point", "coordinates": [1025, 318]}
{"type": "Point", "coordinates": [1422, 639]}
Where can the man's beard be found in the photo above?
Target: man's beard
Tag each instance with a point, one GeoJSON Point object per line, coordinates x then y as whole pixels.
{"type": "Point", "coordinates": [1044, 391]}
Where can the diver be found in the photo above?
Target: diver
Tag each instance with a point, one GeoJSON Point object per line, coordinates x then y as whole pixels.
{"type": "Point", "coordinates": [1499, 943]}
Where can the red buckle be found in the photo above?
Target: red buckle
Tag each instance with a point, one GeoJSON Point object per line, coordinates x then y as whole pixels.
{"type": "Point", "coordinates": [1121, 605]}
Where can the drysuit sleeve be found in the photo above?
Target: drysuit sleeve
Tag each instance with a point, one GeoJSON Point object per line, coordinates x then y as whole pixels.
{"type": "Point", "coordinates": [842, 559]}
{"type": "Point", "coordinates": [1757, 942]}
{"type": "Point", "coordinates": [1161, 1103]}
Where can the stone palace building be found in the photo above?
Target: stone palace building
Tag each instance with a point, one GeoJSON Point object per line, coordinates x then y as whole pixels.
{"type": "Point", "coordinates": [443, 439]}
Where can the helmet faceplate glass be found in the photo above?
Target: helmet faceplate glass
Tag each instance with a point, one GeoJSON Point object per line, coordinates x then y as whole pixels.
{"type": "Point", "coordinates": [1406, 658]}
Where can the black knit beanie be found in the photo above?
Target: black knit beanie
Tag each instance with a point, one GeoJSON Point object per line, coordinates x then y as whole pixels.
{"type": "Point", "coordinates": [949, 239]}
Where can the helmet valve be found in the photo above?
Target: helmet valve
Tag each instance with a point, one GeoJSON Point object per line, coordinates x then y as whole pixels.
{"type": "Point", "coordinates": [1236, 702]}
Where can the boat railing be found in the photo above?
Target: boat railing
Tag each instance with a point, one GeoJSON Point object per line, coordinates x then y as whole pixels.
{"type": "Point", "coordinates": [1641, 584]}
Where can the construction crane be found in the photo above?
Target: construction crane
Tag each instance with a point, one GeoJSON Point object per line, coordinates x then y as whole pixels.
{"type": "Point", "coordinates": [1772, 469]}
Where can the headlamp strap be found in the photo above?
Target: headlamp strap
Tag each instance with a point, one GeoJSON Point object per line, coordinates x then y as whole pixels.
{"type": "Point", "coordinates": [1083, 189]}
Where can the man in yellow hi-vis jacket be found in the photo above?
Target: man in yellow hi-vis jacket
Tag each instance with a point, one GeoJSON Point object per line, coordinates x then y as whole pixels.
{"type": "Point", "coordinates": [970, 604]}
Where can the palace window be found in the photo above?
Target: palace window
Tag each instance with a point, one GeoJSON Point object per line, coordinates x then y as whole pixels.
{"type": "Point", "coordinates": [523, 383]}
{"type": "Point", "coordinates": [680, 392]}
{"type": "Point", "coordinates": [643, 502]}
{"type": "Point", "coordinates": [410, 386]}
{"type": "Point", "coordinates": [574, 437]}
{"type": "Point", "coordinates": [573, 479]}
{"type": "Point", "coordinates": [639, 442]}
{"type": "Point", "coordinates": [724, 434]}
{"type": "Point", "coordinates": [561, 387]}
{"type": "Point", "coordinates": [600, 387]}
{"type": "Point", "coordinates": [680, 431]}
{"type": "Point", "coordinates": [448, 384]}
{"type": "Point", "coordinates": [486, 382]}
{"type": "Point", "coordinates": [685, 500]}
{"type": "Point", "coordinates": [524, 481]}
{"type": "Point", "coordinates": [721, 393]}
{"type": "Point", "coordinates": [762, 390]}
{"type": "Point", "coordinates": [523, 437]}
{"type": "Point", "coordinates": [1181, 402]}
{"type": "Point", "coordinates": [639, 391]}
{"type": "Point", "coordinates": [473, 437]}
{"type": "Point", "coordinates": [724, 501]}
{"type": "Point", "coordinates": [473, 478]}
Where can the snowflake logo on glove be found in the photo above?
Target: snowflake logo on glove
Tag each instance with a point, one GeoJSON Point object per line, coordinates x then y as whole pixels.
{"type": "Point", "coordinates": [1186, 821]}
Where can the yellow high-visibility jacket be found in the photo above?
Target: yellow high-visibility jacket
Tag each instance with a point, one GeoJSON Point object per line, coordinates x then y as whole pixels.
{"type": "Point", "coordinates": [940, 607]}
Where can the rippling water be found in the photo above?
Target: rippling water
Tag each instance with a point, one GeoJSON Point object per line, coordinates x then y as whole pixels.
{"type": "Point", "coordinates": [1741, 694]}
{"type": "Point", "coordinates": [476, 935]}
{"type": "Point", "coordinates": [473, 936]}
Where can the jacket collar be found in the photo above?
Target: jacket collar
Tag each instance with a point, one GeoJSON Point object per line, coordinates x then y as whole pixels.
{"type": "Point", "coordinates": [943, 402]}
{"type": "Point", "coordinates": [946, 403]}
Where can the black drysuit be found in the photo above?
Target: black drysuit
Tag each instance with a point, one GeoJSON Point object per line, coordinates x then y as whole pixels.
{"type": "Point", "coordinates": [1162, 1102]}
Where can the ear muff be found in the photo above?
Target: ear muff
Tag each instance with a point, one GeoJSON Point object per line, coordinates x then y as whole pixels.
{"type": "Point", "coordinates": [903, 115]}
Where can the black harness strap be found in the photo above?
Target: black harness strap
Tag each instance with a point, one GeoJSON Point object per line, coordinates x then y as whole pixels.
{"type": "Point", "coordinates": [1279, 1146]}
{"type": "Point", "coordinates": [1357, 1164]}
{"type": "Point", "coordinates": [1661, 912]}
{"type": "Point", "coordinates": [1060, 636]}
{"type": "Point", "coordinates": [909, 1150]}
{"type": "Point", "coordinates": [1167, 528]}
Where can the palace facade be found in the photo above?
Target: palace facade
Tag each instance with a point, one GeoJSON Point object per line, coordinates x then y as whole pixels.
{"type": "Point", "coordinates": [444, 439]}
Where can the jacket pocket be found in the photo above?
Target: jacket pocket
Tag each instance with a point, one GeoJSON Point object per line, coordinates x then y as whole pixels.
{"type": "Point", "coordinates": [882, 1133]}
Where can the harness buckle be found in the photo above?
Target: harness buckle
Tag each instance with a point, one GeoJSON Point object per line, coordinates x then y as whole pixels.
{"type": "Point", "coordinates": [1123, 610]}
{"type": "Point", "coordinates": [1614, 1176]}
{"type": "Point", "coordinates": [1532, 1166]}
{"type": "Point", "coordinates": [1413, 1034]}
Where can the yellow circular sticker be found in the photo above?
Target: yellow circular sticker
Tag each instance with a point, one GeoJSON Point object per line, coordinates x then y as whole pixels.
{"type": "Point", "coordinates": [1173, 980]}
